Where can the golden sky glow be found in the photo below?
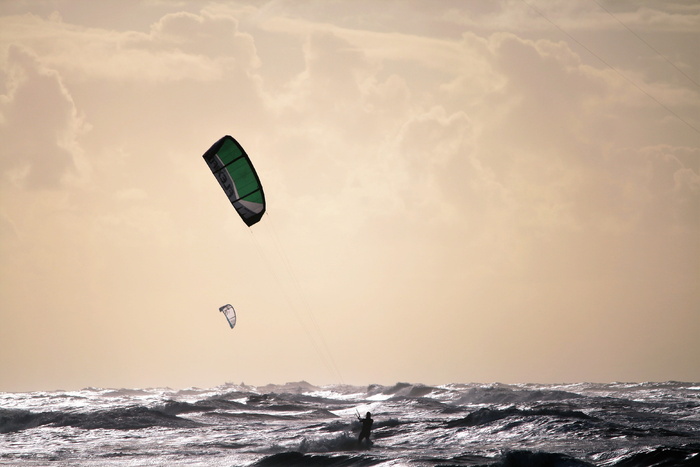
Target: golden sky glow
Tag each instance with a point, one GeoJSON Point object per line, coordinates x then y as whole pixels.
{"type": "Point", "coordinates": [457, 192]}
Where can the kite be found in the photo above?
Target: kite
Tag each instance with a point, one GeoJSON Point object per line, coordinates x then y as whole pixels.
{"type": "Point", "coordinates": [230, 314]}
{"type": "Point", "coordinates": [233, 169]}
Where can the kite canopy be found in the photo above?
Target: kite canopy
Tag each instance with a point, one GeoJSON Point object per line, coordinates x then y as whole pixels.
{"type": "Point", "coordinates": [230, 314]}
{"type": "Point", "coordinates": [233, 169]}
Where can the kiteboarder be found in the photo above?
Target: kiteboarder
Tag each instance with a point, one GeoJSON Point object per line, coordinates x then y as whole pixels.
{"type": "Point", "coordinates": [366, 427]}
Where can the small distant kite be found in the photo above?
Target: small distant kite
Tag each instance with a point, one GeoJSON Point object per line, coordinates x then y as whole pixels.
{"type": "Point", "coordinates": [230, 314]}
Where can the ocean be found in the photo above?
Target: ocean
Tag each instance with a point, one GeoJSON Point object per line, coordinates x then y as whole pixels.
{"type": "Point", "coordinates": [299, 424]}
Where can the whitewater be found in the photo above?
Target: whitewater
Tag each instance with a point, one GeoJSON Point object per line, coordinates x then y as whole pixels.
{"type": "Point", "coordinates": [299, 424]}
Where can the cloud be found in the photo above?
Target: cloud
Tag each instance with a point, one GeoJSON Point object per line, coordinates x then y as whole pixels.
{"type": "Point", "coordinates": [39, 124]}
{"type": "Point", "coordinates": [672, 181]}
{"type": "Point", "coordinates": [504, 132]}
{"type": "Point", "coordinates": [678, 17]}
{"type": "Point", "coordinates": [206, 34]}
{"type": "Point", "coordinates": [561, 141]}
{"type": "Point", "coordinates": [577, 16]}
{"type": "Point", "coordinates": [180, 46]}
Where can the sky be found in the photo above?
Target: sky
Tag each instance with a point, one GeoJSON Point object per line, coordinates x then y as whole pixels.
{"type": "Point", "coordinates": [457, 191]}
